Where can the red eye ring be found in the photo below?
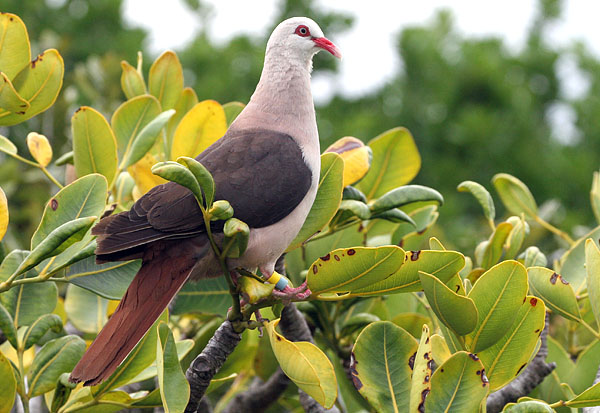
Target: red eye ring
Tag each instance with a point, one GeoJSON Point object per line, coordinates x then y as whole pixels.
{"type": "Point", "coordinates": [302, 31]}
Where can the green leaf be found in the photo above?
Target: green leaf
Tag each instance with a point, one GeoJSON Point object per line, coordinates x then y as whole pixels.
{"type": "Point", "coordinates": [589, 398]}
{"type": "Point", "coordinates": [9, 98]}
{"type": "Point", "coordinates": [592, 264]}
{"type": "Point", "coordinates": [396, 161]}
{"type": "Point", "coordinates": [210, 295]}
{"type": "Point", "coordinates": [94, 144]}
{"type": "Point", "coordinates": [586, 367]}
{"type": "Point", "coordinates": [6, 145]}
{"type": "Point", "coordinates": [442, 264]}
{"type": "Point", "coordinates": [306, 365]}
{"type": "Point", "coordinates": [15, 52]}
{"type": "Point", "coordinates": [515, 239]}
{"type": "Point", "coordinates": [165, 80]}
{"type": "Point", "coordinates": [144, 140]}
{"type": "Point", "coordinates": [26, 302]}
{"type": "Point", "coordinates": [493, 250]}
{"type": "Point", "coordinates": [481, 195]}
{"type": "Point", "coordinates": [458, 385]}
{"type": "Point", "coordinates": [556, 292]}
{"type": "Point", "coordinates": [236, 237]}
{"type": "Point", "coordinates": [130, 118]}
{"type": "Point", "coordinates": [354, 208]}
{"type": "Point", "coordinates": [38, 83]}
{"type": "Point", "coordinates": [84, 197]}
{"type": "Point", "coordinates": [174, 388]}
{"type": "Point", "coordinates": [327, 201]}
{"type": "Point", "coordinates": [395, 215]}
{"type": "Point", "coordinates": [346, 269]}
{"type": "Point", "coordinates": [220, 210]}
{"type": "Point", "coordinates": [409, 237]}
{"type": "Point", "coordinates": [528, 406]}
{"type": "Point", "coordinates": [572, 263]}
{"type": "Point", "coordinates": [498, 295]}
{"type": "Point", "coordinates": [7, 327]}
{"type": "Point", "coordinates": [86, 310]}
{"type": "Point", "coordinates": [41, 326]}
{"type": "Point", "coordinates": [186, 102]}
{"type": "Point", "coordinates": [132, 81]}
{"type": "Point", "coordinates": [405, 195]}
{"type": "Point", "coordinates": [232, 110]}
{"type": "Point", "coordinates": [142, 356]}
{"type": "Point", "coordinates": [66, 158]}
{"type": "Point", "coordinates": [108, 280]}
{"type": "Point", "coordinates": [183, 348]}
{"type": "Point", "coordinates": [508, 357]}
{"type": "Point", "coordinates": [176, 172]}
{"type": "Point", "coordinates": [8, 384]}
{"type": "Point", "coordinates": [203, 177]}
{"type": "Point", "coordinates": [532, 257]}
{"type": "Point", "coordinates": [421, 375]}
{"type": "Point", "coordinates": [457, 312]}
{"type": "Point", "coordinates": [61, 392]}
{"type": "Point", "coordinates": [55, 358]}
{"type": "Point", "coordinates": [595, 196]}
{"type": "Point", "coordinates": [381, 366]}
{"type": "Point", "coordinates": [515, 195]}
{"type": "Point", "coordinates": [57, 241]}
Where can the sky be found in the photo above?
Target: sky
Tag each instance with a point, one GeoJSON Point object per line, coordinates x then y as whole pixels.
{"type": "Point", "coordinates": [369, 58]}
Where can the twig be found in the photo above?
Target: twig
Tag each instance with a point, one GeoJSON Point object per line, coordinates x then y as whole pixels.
{"type": "Point", "coordinates": [208, 363]}
{"type": "Point", "coordinates": [531, 377]}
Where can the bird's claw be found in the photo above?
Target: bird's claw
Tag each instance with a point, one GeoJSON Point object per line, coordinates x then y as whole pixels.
{"type": "Point", "coordinates": [290, 293]}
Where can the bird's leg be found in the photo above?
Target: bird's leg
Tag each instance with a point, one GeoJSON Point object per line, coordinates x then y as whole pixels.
{"type": "Point", "coordinates": [282, 288]}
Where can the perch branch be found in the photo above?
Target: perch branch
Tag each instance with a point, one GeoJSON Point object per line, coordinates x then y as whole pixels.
{"type": "Point", "coordinates": [531, 377]}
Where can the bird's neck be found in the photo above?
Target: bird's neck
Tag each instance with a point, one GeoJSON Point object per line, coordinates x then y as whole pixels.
{"type": "Point", "coordinates": [283, 97]}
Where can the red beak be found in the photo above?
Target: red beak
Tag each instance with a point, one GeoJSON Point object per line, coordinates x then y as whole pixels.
{"type": "Point", "coordinates": [326, 44]}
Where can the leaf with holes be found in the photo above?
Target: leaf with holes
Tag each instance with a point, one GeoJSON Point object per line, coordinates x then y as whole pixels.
{"type": "Point", "coordinates": [458, 385]}
{"type": "Point", "coordinates": [421, 376]}
{"type": "Point", "coordinates": [382, 365]}
{"type": "Point", "coordinates": [441, 264]}
{"type": "Point", "coordinates": [507, 358]}
{"type": "Point", "coordinates": [498, 295]}
{"type": "Point", "coordinates": [456, 311]}
{"type": "Point", "coordinates": [327, 201]}
{"type": "Point", "coordinates": [38, 83]}
{"type": "Point", "coordinates": [556, 292]}
{"type": "Point", "coordinates": [306, 365]}
{"type": "Point", "coordinates": [346, 269]}
{"type": "Point", "coordinates": [94, 144]}
{"type": "Point", "coordinates": [396, 161]}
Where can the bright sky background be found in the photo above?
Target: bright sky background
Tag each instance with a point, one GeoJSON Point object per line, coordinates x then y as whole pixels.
{"type": "Point", "coordinates": [368, 48]}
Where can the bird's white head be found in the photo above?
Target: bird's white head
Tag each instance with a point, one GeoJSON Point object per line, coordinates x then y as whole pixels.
{"type": "Point", "coordinates": [300, 38]}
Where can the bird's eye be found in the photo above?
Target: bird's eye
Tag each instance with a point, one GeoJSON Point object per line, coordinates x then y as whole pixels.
{"type": "Point", "coordinates": [302, 30]}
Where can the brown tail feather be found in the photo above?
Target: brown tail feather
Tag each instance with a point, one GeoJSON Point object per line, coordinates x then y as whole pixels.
{"type": "Point", "coordinates": [166, 267]}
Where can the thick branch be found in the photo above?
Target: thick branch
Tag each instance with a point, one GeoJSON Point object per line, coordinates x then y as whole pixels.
{"type": "Point", "coordinates": [531, 377]}
{"type": "Point", "coordinates": [208, 363]}
{"type": "Point", "coordinates": [260, 395]}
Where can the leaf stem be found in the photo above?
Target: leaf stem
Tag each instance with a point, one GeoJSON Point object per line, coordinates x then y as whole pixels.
{"type": "Point", "coordinates": [591, 329]}
{"type": "Point", "coordinates": [37, 165]}
{"type": "Point", "coordinates": [554, 230]}
{"type": "Point", "coordinates": [24, 396]}
{"type": "Point", "coordinates": [51, 177]}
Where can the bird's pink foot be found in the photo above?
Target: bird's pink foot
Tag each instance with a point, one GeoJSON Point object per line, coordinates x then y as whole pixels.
{"type": "Point", "coordinates": [290, 293]}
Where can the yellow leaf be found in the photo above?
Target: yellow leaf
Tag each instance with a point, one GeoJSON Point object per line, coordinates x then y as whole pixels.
{"type": "Point", "coordinates": [306, 365]}
{"type": "Point", "coordinates": [3, 214]}
{"type": "Point", "coordinates": [203, 125]}
{"type": "Point", "coordinates": [254, 289]}
{"type": "Point", "coordinates": [356, 155]}
{"type": "Point", "coordinates": [144, 179]}
{"type": "Point", "coordinates": [39, 148]}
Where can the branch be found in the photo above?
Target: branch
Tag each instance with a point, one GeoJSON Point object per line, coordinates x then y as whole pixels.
{"type": "Point", "coordinates": [208, 363]}
{"type": "Point", "coordinates": [531, 377]}
{"type": "Point", "coordinates": [260, 395]}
